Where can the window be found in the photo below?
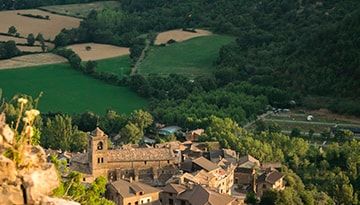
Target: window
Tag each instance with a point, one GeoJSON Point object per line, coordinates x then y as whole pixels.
{"type": "Point", "coordinates": [264, 186]}
{"type": "Point", "coordinates": [84, 179]}
{"type": "Point", "coordinates": [168, 161]}
{"type": "Point", "coordinates": [136, 202]}
{"type": "Point", "coordinates": [148, 201]}
{"type": "Point", "coordinates": [102, 160]}
{"type": "Point", "coordinates": [145, 162]}
{"type": "Point", "coordinates": [100, 146]}
{"type": "Point", "coordinates": [129, 203]}
{"type": "Point", "coordinates": [171, 202]}
{"type": "Point", "coordinates": [98, 160]}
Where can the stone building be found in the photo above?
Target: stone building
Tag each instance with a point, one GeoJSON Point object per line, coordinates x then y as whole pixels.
{"type": "Point", "coordinates": [251, 176]}
{"type": "Point", "coordinates": [219, 177]}
{"type": "Point", "coordinates": [123, 192]}
{"type": "Point", "coordinates": [269, 180]}
{"type": "Point", "coordinates": [177, 194]}
{"type": "Point", "coordinates": [151, 165]}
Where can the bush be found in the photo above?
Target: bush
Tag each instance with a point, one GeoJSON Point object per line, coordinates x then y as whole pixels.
{"type": "Point", "coordinates": [171, 41]}
{"type": "Point", "coordinates": [8, 50]}
{"type": "Point", "coordinates": [35, 16]}
{"type": "Point", "coordinates": [295, 132]}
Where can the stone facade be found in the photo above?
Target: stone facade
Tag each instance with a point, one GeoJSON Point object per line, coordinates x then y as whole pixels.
{"type": "Point", "coordinates": [218, 177]}
{"type": "Point", "coordinates": [251, 176]}
{"type": "Point", "coordinates": [150, 165]}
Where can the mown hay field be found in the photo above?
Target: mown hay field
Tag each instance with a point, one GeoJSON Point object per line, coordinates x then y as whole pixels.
{"type": "Point", "coordinates": [193, 57]}
{"type": "Point", "coordinates": [17, 40]}
{"type": "Point", "coordinates": [26, 25]}
{"type": "Point", "coordinates": [179, 35]}
{"type": "Point", "coordinates": [98, 51]}
{"type": "Point", "coordinates": [81, 10]}
{"type": "Point", "coordinates": [67, 90]}
{"type": "Point", "coordinates": [31, 60]}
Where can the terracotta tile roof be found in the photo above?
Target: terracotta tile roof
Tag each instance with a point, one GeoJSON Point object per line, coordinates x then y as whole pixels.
{"type": "Point", "coordinates": [224, 163]}
{"type": "Point", "coordinates": [186, 165]}
{"type": "Point", "coordinates": [175, 145]}
{"type": "Point", "coordinates": [140, 154]}
{"type": "Point", "coordinates": [271, 165]}
{"type": "Point", "coordinates": [205, 164]}
{"type": "Point", "coordinates": [174, 188]}
{"type": "Point", "coordinates": [243, 170]}
{"type": "Point", "coordinates": [201, 196]}
{"type": "Point", "coordinates": [127, 189]}
{"type": "Point", "coordinates": [270, 177]}
{"type": "Point", "coordinates": [80, 158]}
{"type": "Point", "coordinates": [248, 161]}
{"type": "Point", "coordinates": [203, 177]}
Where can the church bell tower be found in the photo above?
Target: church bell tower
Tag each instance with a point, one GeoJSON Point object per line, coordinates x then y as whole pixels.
{"type": "Point", "coordinates": [97, 151]}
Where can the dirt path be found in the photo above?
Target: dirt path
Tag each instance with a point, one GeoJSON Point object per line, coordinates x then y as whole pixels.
{"type": "Point", "coordinates": [134, 69]}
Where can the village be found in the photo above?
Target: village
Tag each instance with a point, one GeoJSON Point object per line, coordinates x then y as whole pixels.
{"type": "Point", "coordinates": [173, 173]}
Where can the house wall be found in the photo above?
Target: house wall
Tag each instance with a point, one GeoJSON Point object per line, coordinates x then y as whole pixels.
{"type": "Point", "coordinates": [114, 196]}
{"type": "Point", "coordinates": [152, 198]}
{"type": "Point", "coordinates": [262, 187]}
{"type": "Point", "coordinates": [166, 198]}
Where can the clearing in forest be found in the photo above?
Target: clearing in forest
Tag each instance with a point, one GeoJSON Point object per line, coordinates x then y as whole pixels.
{"type": "Point", "coordinates": [31, 60]}
{"type": "Point", "coordinates": [26, 25]}
{"type": "Point", "coordinates": [193, 57]}
{"type": "Point", "coordinates": [68, 90]}
{"type": "Point", "coordinates": [179, 35]}
{"type": "Point", "coordinates": [95, 51]}
{"type": "Point", "coordinates": [81, 10]}
{"type": "Point", "coordinates": [319, 121]}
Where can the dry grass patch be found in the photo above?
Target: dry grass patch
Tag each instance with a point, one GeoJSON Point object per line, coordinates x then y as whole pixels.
{"type": "Point", "coordinates": [17, 40]}
{"type": "Point", "coordinates": [83, 9]}
{"type": "Point", "coordinates": [31, 60]}
{"type": "Point", "coordinates": [11, 38]}
{"type": "Point", "coordinates": [29, 48]}
{"type": "Point", "coordinates": [179, 35]}
{"type": "Point", "coordinates": [98, 51]}
{"type": "Point", "coordinates": [26, 25]}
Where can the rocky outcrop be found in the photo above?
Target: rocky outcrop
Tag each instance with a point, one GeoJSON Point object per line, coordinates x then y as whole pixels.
{"type": "Point", "coordinates": [25, 175]}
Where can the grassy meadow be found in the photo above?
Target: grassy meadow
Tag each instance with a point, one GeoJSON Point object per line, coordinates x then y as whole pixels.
{"type": "Point", "coordinates": [119, 65]}
{"type": "Point", "coordinates": [192, 57]}
{"type": "Point", "coordinates": [68, 90]}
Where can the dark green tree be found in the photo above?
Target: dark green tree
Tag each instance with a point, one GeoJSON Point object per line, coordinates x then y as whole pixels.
{"type": "Point", "coordinates": [30, 39]}
{"type": "Point", "coordinates": [12, 30]}
{"type": "Point", "coordinates": [90, 67]}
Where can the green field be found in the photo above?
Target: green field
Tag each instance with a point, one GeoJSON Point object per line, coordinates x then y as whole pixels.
{"type": "Point", "coordinates": [192, 57]}
{"type": "Point", "coordinates": [119, 65]}
{"type": "Point", "coordinates": [81, 10]}
{"type": "Point", "coordinates": [68, 90]}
